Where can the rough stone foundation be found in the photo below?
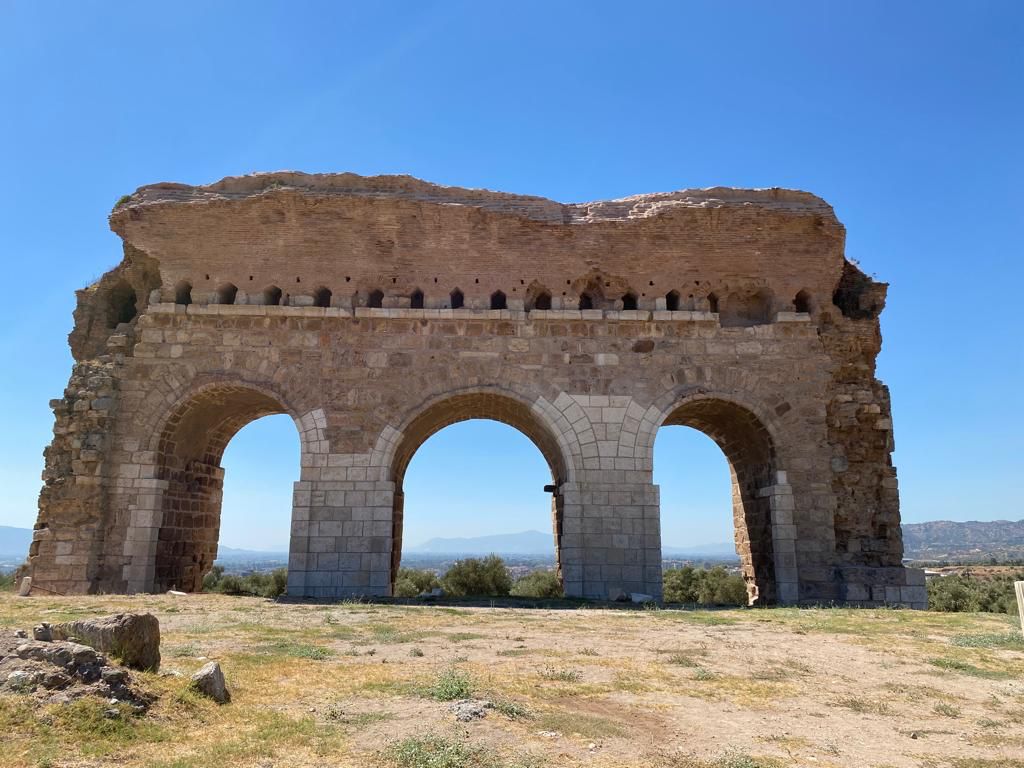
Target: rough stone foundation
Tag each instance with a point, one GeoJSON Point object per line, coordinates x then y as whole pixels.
{"type": "Point", "coordinates": [376, 311]}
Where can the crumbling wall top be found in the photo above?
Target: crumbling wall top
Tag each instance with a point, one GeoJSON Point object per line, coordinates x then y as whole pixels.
{"type": "Point", "coordinates": [325, 185]}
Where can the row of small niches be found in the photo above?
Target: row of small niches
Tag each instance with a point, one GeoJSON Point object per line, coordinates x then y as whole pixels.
{"type": "Point", "coordinates": [457, 314]}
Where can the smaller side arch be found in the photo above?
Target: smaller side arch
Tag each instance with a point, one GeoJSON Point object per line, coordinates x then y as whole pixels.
{"type": "Point", "coordinates": [762, 499]}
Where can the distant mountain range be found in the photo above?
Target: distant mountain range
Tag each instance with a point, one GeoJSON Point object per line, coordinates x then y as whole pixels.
{"type": "Point", "coordinates": [231, 553]}
{"type": "Point", "coordinates": [538, 543]}
{"type": "Point", "coordinates": [964, 542]}
{"type": "Point", "coordinates": [938, 540]}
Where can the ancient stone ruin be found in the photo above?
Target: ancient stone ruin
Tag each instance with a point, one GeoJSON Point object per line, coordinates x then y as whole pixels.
{"type": "Point", "coordinates": [376, 311]}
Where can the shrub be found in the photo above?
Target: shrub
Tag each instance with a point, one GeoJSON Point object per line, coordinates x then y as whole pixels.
{"type": "Point", "coordinates": [479, 577]}
{"type": "Point", "coordinates": [966, 593]}
{"type": "Point", "coordinates": [272, 584]}
{"type": "Point", "coordinates": [6, 581]}
{"type": "Point", "coordinates": [543, 584]}
{"type": "Point", "coordinates": [704, 586]}
{"type": "Point", "coordinates": [413, 581]}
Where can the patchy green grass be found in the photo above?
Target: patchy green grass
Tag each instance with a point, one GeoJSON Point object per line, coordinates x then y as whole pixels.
{"type": "Point", "coordinates": [955, 665]}
{"type": "Point", "coordinates": [579, 724]}
{"type": "Point", "coordinates": [1013, 641]}
{"type": "Point", "coordinates": [433, 750]}
{"type": "Point", "coordinates": [296, 650]}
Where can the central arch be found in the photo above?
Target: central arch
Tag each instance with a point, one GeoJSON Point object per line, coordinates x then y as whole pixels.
{"type": "Point", "coordinates": [495, 406]}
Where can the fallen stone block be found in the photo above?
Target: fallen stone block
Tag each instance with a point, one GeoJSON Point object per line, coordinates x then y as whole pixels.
{"type": "Point", "coordinates": [209, 681]}
{"type": "Point", "coordinates": [133, 638]}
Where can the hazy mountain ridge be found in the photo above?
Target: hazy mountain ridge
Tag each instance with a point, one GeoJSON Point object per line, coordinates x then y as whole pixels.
{"type": "Point", "coordinates": [935, 540]}
{"type": "Point", "coordinates": [964, 542]}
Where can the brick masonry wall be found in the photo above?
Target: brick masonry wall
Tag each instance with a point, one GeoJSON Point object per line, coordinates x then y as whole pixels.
{"type": "Point", "coordinates": [131, 503]}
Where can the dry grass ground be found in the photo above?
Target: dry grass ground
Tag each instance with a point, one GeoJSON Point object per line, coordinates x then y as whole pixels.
{"type": "Point", "coordinates": [365, 685]}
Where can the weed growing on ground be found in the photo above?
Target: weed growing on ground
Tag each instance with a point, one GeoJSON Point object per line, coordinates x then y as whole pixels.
{"type": "Point", "coordinates": [863, 706]}
{"type": "Point", "coordinates": [416, 652]}
{"type": "Point", "coordinates": [451, 684]}
{"type": "Point", "coordinates": [946, 710]}
{"type": "Point", "coordinates": [511, 709]}
{"type": "Point", "coordinates": [337, 714]}
{"type": "Point", "coordinates": [437, 751]}
{"type": "Point", "coordinates": [561, 675]}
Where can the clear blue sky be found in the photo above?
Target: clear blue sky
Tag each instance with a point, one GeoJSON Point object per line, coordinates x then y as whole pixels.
{"type": "Point", "coordinates": [907, 117]}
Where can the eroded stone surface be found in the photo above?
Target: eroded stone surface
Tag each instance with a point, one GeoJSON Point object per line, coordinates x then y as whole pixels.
{"type": "Point", "coordinates": [60, 671]}
{"type": "Point", "coordinates": [133, 638]}
{"type": "Point", "coordinates": [376, 311]}
{"type": "Point", "coordinates": [209, 681]}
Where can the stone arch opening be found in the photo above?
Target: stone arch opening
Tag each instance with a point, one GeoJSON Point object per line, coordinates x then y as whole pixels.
{"type": "Point", "coordinates": [375, 300]}
{"type": "Point", "coordinates": [757, 494]}
{"type": "Point", "coordinates": [121, 304]}
{"type": "Point", "coordinates": [745, 309]}
{"type": "Point", "coordinates": [498, 300]}
{"type": "Point", "coordinates": [183, 293]}
{"type": "Point", "coordinates": [457, 299]}
{"type": "Point", "coordinates": [188, 464]}
{"type": "Point", "coordinates": [538, 298]}
{"type": "Point", "coordinates": [464, 407]}
{"type": "Point", "coordinates": [416, 299]}
{"type": "Point", "coordinates": [629, 301]}
{"type": "Point", "coordinates": [322, 297]}
{"type": "Point", "coordinates": [586, 301]}
{"type": "Point", "coordinates": [802, 302]}
{"type": "Point", "coordinates": [672, 301]}
{"type": "Point", "coordinates": [272, 296]}
{"type": "Point", "coordinates": [226, 294]}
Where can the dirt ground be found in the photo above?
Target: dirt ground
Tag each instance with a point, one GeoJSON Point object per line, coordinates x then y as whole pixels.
{"type": "Point", "coordinates": [355, 684]}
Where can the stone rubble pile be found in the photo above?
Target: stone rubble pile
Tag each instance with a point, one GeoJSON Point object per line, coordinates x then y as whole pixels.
{"type": "Point", "coordinates": [60, 671]}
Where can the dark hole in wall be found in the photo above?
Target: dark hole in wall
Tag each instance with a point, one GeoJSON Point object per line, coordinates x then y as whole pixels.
{"type": "Point", "coordinates": [498, 300]}
{"type": "Point", "coordinates": [712, 302]}
{"type": "Point", "coordinates": [322, 297]}
{"type": "Point", "coordinates": [183, 293]}
{"type": "Point", "coordinates": [416, 299]}
{"type": "Point", "coordinates": [586, 302]}
{"type": "Point", "coordinates": [672, 301]}
{"type": "Point", "coordinates": [226, 294]}
{"type": "Point", "coordinates": [457, 299]}
{"type": "Point", "coordinates": [122, 304]}
{"type": "Point", "coordinates": [271, 295]}
{"type": "Point", "coordinates": [802, 302]}
{"type": "Point", "coordinates": [543, 301]}
{"type": "Point", "coordinates": [629, 301]}
{"type": "Point", "coordinates": [375, 299]}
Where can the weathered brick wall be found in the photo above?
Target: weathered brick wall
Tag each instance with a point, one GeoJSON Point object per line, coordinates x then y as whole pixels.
{"type": "Point", "coordinates": [780, 375]}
